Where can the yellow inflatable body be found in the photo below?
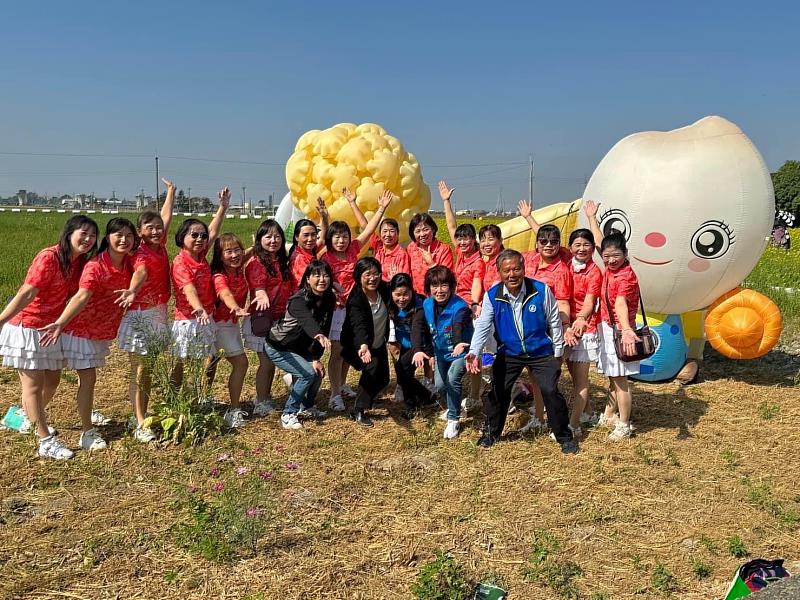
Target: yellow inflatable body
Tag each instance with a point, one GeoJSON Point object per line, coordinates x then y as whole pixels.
{"type": "Point", "coordinates": [363, 158]}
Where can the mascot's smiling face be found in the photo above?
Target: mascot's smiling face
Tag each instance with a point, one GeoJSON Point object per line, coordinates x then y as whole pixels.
{"type": "Point", "coordinates": [695, 205]}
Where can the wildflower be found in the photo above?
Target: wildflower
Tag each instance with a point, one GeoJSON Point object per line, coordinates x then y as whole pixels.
{"type": "Point", "coordinates": [193, 489]}
{"type": "Point", "coordinates": [214, 472]}
{"type": "Point", "coordinates": [258, 451]}
{"type": "Point", "coordinates": [241, 470]}
{"type": "Point", "coordinates": [292, 466]}
{"type": "Point", "coordinates": [252, 512]}
{"type": "Point", "coordinates": [224, 457]}
{"type": "Point", "coordinates": [265, 475]}
{"type": "Point", "coordinates": [218, 487]}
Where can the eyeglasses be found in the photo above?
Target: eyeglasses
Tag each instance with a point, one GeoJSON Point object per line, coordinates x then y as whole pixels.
{"type": "Point", "coordinates": [198, 235]}
{"type": "Point", "coordinates": [611, 256]}
{"type": "Point", "coordinates": [549, 242]}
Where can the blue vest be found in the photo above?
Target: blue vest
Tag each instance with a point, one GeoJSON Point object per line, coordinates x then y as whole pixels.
{"type": "Point", "coordinates": [534, 339]}
{"type": "Point", "coordinates": [402, 322]}
{"type": "Point", "coordinates": [442, 328]}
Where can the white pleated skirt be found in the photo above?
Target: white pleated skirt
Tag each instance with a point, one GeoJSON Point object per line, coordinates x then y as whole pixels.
{"type": "Point", "coordinates": [587, 349]}
{"type": "Point", "coordinates": [144, 331]}
{"type": "Point", "coordinates": [20, 349]}
{"type": "Point", "coordinates": [229, 338]}
{"type": "Point", "coordinates": [81, 353]}
{"type": "Point", "coordinates": [190, 339]}
{"type": "Point", "coordinates": [251, 342]}
{"type": "Point", "coordinates": [608, 364]}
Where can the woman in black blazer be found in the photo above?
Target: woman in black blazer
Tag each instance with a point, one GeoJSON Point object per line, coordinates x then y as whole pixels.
{"type": "Point", "coordinates": [364, 335]}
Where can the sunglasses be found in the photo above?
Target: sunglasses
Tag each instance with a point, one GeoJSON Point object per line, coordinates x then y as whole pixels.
{"type": "Point", "coordinates": [549, 242]}
{"type": "Point", "coordinates": [198, 235]}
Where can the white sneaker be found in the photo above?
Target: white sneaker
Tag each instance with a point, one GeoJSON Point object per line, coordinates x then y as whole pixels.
{"type": "Point", "coordinates": [468, 405]}
{"type": "Point", "coordinates": [398, 394]}
{"type": "Point", "coordinates": [336, 404]}
{"type": "Point", "coordinates": [605, 421]}
{"type": "Point", "coordinates": [52, 447]}
{"type": "Point", "coordinates": [451, 431]}
{"type": "Point", "coordinates": [99, 419]}
{"type": "Point", "coordinates": [235, 417]}
{"type": "Point", "coordinates": [347, 391]}
{"type": "Point", "coordinates": [262, 408]}
{"type": "Point", "coordinates": [312, 412]}
{"type": "Point", "coordinates": [133, 422]}
{"type": "Point", "coordinates": [621, 431]}
{"type": "Point", "coordinates": [590, 419]}
{"type": "Point", "coordinates": [287, 379]}
{"type": "Point", "coordinates": [290, 421]}
{"type": "Point", "coordinates": [27, 427]}
{"type": "Point", "coordinates": [532, 424]}
{"type": "Point", "coordinates": [144, 435]}
{"type": "Point", "coordinates": [577, 432]}
{"type": "Point", "coordinates": [92, 440]}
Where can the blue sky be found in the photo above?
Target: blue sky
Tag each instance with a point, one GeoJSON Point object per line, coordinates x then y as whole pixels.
{"type": "Point", "coordinates": [459, 83]}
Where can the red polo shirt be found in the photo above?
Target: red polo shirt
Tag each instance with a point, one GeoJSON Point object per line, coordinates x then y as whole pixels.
{"type": "Point", "coordinates": [393, 261]}
{"type": "Point", "coordinates": [237, 284]}
{"type": "Point", "coordinates": [186, 270]}
{"type": "Point", "coordinates": [556, 275]}
{"type": "Point", "coordinates": [622, 282]}
{"type": "Point", "coordinates": [585, 281]}
{"type": "Point", "coordinates": [342, 269]}
{"type": "Point", "coordinates": [467, 269]}
{"type": "Point", "coordinates": [155, 289]}
{"type": "Point", "coordinates": [441, 255]}
{"type": "Point", "coordinates": [278, 290]}
{"type": "Point", "coordinates": [298, 261]}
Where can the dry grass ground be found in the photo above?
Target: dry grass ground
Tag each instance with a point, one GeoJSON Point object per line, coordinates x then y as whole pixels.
{"type": "Point", "coordinates": [367, 508]}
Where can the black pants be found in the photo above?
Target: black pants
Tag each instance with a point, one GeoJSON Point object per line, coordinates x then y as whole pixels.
{"type": "Point", "coordinates": [414, 393]}
{"type": "Point", "coordinates": [505, 371]}
{"type": "Point", "coordinates": [374, 377]}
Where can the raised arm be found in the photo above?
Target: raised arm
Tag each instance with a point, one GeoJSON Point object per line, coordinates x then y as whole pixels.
{"type": "Point", "coordinates": [216, 223]}
{"type": "Point", "coordinates": [449, 214]}
{"type": "Point", "coordinates": [169, 203]}
{"type": "Point", "coordinates": [351, 200]}
{"type": "Point", "coordinates": [49, 333]}
{"type": "Point", "coordinates": [25, 295]}
{"type": "Point", "coordinates": [526, 212]}
{"type": "Point", "coordinates": [383, 202]}
{"type": "Point", "coordinates": [324, 219]}
{"type": "Point", "coordinates": [590, 208]}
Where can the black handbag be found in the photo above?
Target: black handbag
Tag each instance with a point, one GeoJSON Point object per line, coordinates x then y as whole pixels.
{"type": "Point", "coordinates": [645, 348]}
{"type": "Point", "coordinates": [261, 320]}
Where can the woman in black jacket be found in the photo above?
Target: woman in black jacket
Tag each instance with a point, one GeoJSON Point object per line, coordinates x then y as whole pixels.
{"type": "Point", "coordinates": [299, 339]}
{"type": "Point", "coordinates": [365, 333]}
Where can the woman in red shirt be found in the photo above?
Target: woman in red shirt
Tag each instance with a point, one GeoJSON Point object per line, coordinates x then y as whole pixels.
{"type": "Point", "coordinates": [270, 282]}
{"type": "Point", "coordinates": [342, 256]}
{"type": "Point", "coordinates": [51, 279]}
{"type": "Point", "coordinates": [581, 336]}
{"type": "Point", "coordinates": [307, 242]}
{"type": "Point", "coordinates": [424, 250]}
{"type": "Point", "coordinates": [91, 319]}
{"type": "Point", "coordinates": [230, 285]}
{"type": "Point", "coordinates": [490, 239]}
{"type": "Point", "coordinates": [144, 327]}
{"type": "Point", "coordinates": [619, 301]}
{"type": "Point", "coordinates": [193, 329]}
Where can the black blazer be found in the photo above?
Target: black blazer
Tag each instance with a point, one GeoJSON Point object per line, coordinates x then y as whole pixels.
{"type": "Point", "coordinates": [307, 315]}
{"type": "Point", "coordinates": [358, 327]}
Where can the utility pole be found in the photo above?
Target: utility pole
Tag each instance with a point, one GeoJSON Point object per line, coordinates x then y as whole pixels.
{"type": "Point", "coordinates": [530, 180]}
{"type": "Point", "coordinates": [244, 198]}
{"type": "Point", "coordinates": [190, 199]}
{"type": "Point", "coordinates": [157, 185]}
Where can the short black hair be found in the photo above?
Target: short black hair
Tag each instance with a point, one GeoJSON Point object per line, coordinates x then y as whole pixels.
{"type": "Point", "coordinates": [615, 239]}
{"type": "Point", "coordinates": [118, 224]}
{"type": "Point", "coordinates": [437, 275]}
{"type": "Point", "coordinates": [336, 228]}
{"type": "Point", "coordinates": [184, 229]}
{"type": "Point", "coordinates": [421, 218]}
{"type": "Point", "coordinates": [391, 223]}
{"type": "Point", "coordinates": [548, 231]}
{"type": "Point", "coordinates": [582, 233]}
{"type": "Point", "coordinates": [368, 263]}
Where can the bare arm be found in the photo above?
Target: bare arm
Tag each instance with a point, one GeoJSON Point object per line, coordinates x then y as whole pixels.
{"type": "Point", "coordinates": [50, 333]}
{"type": "Point", "coordinates": [227, 297]}
{"type": "Point", "coordinates": [372, 225]}
{"type": "Point", "coordinates": [25, 295]}
{"type": "Point", "coordinates": [194, 301]}
{"type": "Point", "coordinates": [125, 298]}
{"type": "Point", "coordinates": [216, 223]}
{"type": "Point", "coordinates": [166, 210]}
{"type": "Point", "coordinates": [351, 200]}
{"type": "Point", "coordinates": [445, 194]}
{"type": "Point", "coordinates": [590, 208]}
{"type": "Point", "coordinates": [477, 288]}
{"type": "Point", "coordinates": [324, 222]}
{"type": "Point", "coordinates": [526, 212]}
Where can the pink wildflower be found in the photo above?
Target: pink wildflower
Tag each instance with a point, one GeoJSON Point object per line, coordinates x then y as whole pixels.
{"type": "Point", "coordinates": [265, 475]}
{"type": "Point", "coordinates": [241, 470]}
{"type": "Point", "coordinates": [218, 487]}
{"type": "Point", "coordinates": [223, 457]}
{"type": "Point", "coordinates": [292, 466]}
{"type": "Point", "coordinates": [252, 512]}
{"type": "Point", "coordinates": [214, 472]}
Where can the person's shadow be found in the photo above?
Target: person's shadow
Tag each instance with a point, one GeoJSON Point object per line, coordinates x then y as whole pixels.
{"type": "Point", "coordinates": [774, 368]}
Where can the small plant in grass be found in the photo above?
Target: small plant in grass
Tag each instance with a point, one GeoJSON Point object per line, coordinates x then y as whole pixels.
{"type": "Point", "coordinates": [181, 414]}
{"type": "Point", "coordinates": [736, 547]}
{"type": "Point", "coordinates": [546, 568]}
{"type": "Point", "coordinates": [762, 496]}
{"type": "Point", "coordinates": [707, 543]}
{"type": "Point", "coordinates": [729, 456]}
{"type": "Point", "coordinates": [700, 568]}
{"type": "Point", "coordinates": [663, 580]}
{"type": "Point", "coordinates": [441, 579]}
{"type": "Point", "coordinates": [768, 411]}
{"type": "Point", "coordinates": [672, 458]}
{"type": "Point", "coordinates": [599, 596]}
{"type": "Point", "coordinates": [229, 511]}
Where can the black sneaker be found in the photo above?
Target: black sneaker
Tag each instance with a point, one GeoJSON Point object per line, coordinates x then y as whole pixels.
{"type": "Point", "coordinates": [569, 447]}
{"type": "Point", "coordinates": [362, 419]}
{"type": "Point", "coordinates": [487, 440]}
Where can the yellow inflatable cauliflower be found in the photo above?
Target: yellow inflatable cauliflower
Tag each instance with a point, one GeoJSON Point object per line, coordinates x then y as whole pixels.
{"type": "Point", "coordinates": [363, 158]}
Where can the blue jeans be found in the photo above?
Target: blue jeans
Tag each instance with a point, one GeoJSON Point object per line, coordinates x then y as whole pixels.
{"type": "Point", "coordinates": [306, 380]}
{"type": "Point", "coordinates": [448, 383]}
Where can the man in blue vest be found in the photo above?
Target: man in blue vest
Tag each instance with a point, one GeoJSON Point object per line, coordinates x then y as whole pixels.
{"type": "Point", "coordinates": [524, 315]}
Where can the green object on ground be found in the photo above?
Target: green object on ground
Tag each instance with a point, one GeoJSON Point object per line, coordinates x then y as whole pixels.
{"type": "Point", "coordinates": [14, 418]}
{"type": "Point", "coordinates": [487, 591]}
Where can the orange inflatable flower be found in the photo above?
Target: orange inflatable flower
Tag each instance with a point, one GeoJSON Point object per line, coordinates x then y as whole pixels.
{"type": "Point", "coordinates": [743, 324]}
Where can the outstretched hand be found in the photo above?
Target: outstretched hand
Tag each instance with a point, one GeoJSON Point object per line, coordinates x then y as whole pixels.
{"type": "Point", "coordinates": [460, 348]}
{"type": "Point", "coordinates": [419, 359]}
{"type": "Point", "coordinates": [168, 183]}
{"type": "Point", "coordinates": [48, 335]}
{"type": "Point", "coordinates": [524, 207]}
{"type": "Point", "coordinates": [348, 195]}
{"type": "Point", "coordinates": [444, 191]}
{"type": "Point", "coordinates": [473, 364]}
{"type": "Point", "coordinates": [224, 196]}
{"type": "Point", "coordinates": [322, 208]}
{"type": "Point", "coordinates": [125, 298]}
{"type": "Point", "coordinates": [590, 208]}
{"type": "Point", "coordinates": [202, 316]}
{"type": "Point", "coordinates": [385, 199]}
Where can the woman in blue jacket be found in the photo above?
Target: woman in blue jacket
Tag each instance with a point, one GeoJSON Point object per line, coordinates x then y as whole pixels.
{"type": "Point", "coordinates": [448, 320]}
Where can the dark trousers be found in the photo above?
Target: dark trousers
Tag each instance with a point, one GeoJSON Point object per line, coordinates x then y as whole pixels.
{"type": "Point", "coordinates": [374, 377]}
{"type": "Point", "coordinates": [414, 393]}
{"type": "Point", "coordinates": [546, 370]}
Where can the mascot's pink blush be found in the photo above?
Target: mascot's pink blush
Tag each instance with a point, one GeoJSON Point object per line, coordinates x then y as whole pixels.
{"type": "Point", "coordinates": [698, 265]}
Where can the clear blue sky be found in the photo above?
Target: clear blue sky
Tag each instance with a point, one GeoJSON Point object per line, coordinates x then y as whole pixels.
{"type": "Point", "coordinates": [459, 83]}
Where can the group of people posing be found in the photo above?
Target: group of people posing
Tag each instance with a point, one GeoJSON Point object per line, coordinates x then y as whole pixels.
{"type": "Point", "coordinates": [418, 307]}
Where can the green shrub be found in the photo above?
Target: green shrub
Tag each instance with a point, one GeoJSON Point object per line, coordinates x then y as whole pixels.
{"type": "Point", "coordinates": [441, 579]}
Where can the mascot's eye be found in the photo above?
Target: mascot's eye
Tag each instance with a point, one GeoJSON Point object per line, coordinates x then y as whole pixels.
{"type": "Point", "coordinates": [712, 239]}
{"type": "Point", "coordinates": [615, 219]}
